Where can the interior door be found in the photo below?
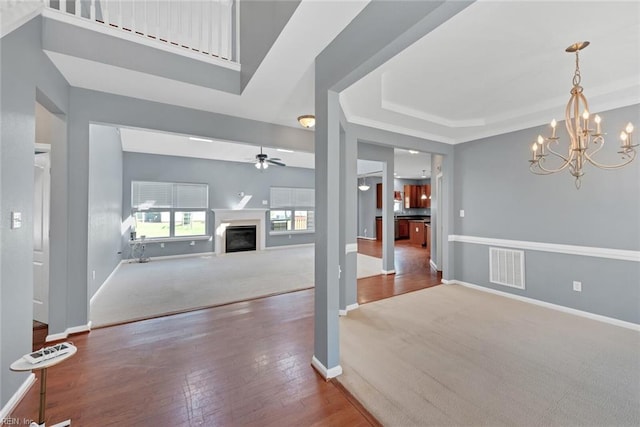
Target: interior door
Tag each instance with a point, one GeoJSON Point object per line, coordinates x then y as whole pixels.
{"type": "Point", "coordinates": [41, 204]}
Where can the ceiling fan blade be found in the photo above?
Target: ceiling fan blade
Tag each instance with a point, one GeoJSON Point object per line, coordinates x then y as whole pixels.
{"type": "Point", "coordinates": [275, 162]}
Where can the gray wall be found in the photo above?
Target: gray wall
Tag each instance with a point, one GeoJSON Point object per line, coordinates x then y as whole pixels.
{"type": "Point", "coordinates": [225, 180]}
{"type": "Point", "coordinates": [105, 204]}
{"type": "Point", "coordinates": [503, 200]}
{"type": "Point", "coordinates": [25, 71]}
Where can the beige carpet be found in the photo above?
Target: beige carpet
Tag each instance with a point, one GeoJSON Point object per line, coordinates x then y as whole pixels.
{"type": "Point", "coordinates": [450, 355]}
{"type": "Point", "coordinates": [140, 291]}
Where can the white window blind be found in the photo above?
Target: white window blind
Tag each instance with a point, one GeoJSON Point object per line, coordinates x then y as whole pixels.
{"type": "Point", "coordinates": [152, 195]}
{"type": "Point", "coordinates": [289, 197]}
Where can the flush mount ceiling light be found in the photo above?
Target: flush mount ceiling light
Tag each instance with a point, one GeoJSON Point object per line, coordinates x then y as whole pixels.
{"type": "Point", "coordinates": [363, 186]}
{"type": "Point", "coordinates": [584, 142]}
{"type": "Point", "coordinates": [308, 121]}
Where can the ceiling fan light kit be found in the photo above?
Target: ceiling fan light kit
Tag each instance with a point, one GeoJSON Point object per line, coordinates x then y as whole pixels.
{"type": "Point", "coordinates": [584, 140]}
{"type": "Point", "coordinates": [263, 161]}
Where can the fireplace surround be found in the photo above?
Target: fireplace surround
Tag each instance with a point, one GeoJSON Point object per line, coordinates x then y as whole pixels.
{"type": "Point", "coordinates": [224, 218]}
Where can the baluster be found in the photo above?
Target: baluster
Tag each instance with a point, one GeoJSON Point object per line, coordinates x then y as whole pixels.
{"type": "Point", "coordinates": [170, 32]}
{"type": "Point", "coordinates": [158, 20]}
{"type": "Point", "coordinates": [145, 22]}
{"type": "Point", "coordinates": [92, 10]}
{"type": "Point", "coordinates": [201, 39]}
{"type": "Point", "coordinates": [219, 23]}
{"type": "Point", "coordinates": [77, 8]}
{"type": "Point", "coordinates": [210, 28]}
{"type": "Point", "coordinates": [120, 13]}
{"type": "Point", "coordinates": [192, 24]}
{"type": "Point", "coordinates": [180, 33]}
{"type": "Point", "coordinates": [133, 17]}
{"type": "Point", "coordinates": [63, 6]}
{"type": "Point", "coordinates": [227, 20]}
{"type": "Point", "coordinates": [105, 11]}
{"type": "Point", "coordinates": [236, 54]}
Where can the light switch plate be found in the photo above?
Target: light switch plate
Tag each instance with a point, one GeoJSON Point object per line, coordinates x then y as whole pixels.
{"type": "Point", "coordinates": [461, 213]}
{"type": "Point", "coordinates": [16, 220]}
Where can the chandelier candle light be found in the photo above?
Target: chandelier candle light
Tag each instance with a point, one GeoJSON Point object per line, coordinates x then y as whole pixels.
{"type": "Point", "coordinates": [584, 142]}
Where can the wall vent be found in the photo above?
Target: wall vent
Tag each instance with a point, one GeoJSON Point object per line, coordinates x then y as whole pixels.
{"type": "Point", "coordinates": [506, 267]}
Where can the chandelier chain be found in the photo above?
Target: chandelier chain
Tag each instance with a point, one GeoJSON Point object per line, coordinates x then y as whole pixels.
{"type": "Point", "coordinates": [576, 75]}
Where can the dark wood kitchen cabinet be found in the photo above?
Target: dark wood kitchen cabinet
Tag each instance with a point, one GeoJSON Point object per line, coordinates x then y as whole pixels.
{"type": "Point", "coordinates": [416, 233]}
{"type": "Point", "coordinates": [417, 196]}
{"type": "Point", "coordinates": [379, 195]}
{"type": "Point", "coordinates": [403, 228]}
{"type": "Point", "coordinates": [379, 229]}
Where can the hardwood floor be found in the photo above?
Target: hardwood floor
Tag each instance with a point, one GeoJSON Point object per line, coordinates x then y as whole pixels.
{"type": "Point", "coordinates": [244, 364]}
{"type": "Point", "coordinates": [413, 271]}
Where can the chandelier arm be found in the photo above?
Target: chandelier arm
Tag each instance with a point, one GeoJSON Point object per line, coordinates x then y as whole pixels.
{"type": "Point", "coordinates": [538, 171]}
{"type": "Point", "coordinates": [566, 162]}
{"type": "Point", "coordinates": [598, 141]}
{"type": "Point", "coordinates": [555, 153]}
{"type": "Point", "coordinates": [615, 166]}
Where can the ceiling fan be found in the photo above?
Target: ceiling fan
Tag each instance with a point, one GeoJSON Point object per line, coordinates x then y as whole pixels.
{"type": "Point", "coordinates": [262, 161]}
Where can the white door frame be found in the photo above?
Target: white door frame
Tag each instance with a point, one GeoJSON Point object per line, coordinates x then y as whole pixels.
{"type": "Point", "coordinates": [439, 221]}
{"type": "Point", "coordinates": [41, 216]}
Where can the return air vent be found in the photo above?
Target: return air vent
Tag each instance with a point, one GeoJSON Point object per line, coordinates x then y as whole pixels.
{"type": "Point", "coordinates": [506, 267]}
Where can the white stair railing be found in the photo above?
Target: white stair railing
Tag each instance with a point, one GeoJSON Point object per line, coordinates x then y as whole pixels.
{"type": "Point", "coordinates": [202, 26]}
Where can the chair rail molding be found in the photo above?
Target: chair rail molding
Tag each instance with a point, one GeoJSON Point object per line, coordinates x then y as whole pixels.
{"type": "Point", "coordinates": [618, 254]}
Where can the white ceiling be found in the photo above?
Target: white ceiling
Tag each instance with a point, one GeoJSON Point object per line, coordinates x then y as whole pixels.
{"type": "Point", "coordinates": [496, 67]}
{"type": "Point", "coordinates": [500, 66]}
{"type": "Point", "coordinates": [407, 165]}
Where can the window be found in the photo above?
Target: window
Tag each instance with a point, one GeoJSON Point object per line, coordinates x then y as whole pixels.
{"type": "Point", "coordinates": [167, 209]}
{"type": "Point", "coordinates": [292, 209]}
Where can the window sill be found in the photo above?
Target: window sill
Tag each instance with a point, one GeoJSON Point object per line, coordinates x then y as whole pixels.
{"type": "Point", "coordinates": [285, 233]}
{"type": "Point", "coordinates": [170, 239]}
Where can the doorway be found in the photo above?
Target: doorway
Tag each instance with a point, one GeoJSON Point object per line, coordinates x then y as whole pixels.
{"type": "Point", "coordinates": [41, 211]}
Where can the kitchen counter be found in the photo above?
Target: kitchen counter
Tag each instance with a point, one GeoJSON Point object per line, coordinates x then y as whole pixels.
{"type": "Point", "coordinates": [424, 218]}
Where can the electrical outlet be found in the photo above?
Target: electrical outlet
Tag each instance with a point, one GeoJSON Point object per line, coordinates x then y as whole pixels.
{"type": "Point", "coordinates": [162, 245]}
{"type": "Point", "coordinates": [461, 213]}
{"type": "Point", "coordinates": [577, 286]}
{"type": "Point", "coordinates": [193, 243]}
{"type": "Point", "coordinates": [93, 274]}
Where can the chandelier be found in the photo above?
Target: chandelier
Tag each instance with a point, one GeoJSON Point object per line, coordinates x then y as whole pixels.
{"type": "Point", "coordinates": [584, 141]}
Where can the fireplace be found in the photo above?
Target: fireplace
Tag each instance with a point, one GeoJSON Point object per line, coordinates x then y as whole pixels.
{"type": "Point", "coordinates": [228, 218]}
{"type": "Point", "coordinates": [240, 238]}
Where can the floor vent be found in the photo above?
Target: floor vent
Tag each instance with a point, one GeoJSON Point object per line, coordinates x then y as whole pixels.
{"type": "Point", "coordinates": [506, 267]}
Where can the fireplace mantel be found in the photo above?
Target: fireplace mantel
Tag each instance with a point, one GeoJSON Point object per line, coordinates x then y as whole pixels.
{"type": "Point", "coordinates": [227, 217]}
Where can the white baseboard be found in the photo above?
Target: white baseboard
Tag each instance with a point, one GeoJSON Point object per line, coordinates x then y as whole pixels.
{"type": "Point", "coordinates": [387, 272]}
{"type": "Point", "coordinates": [158, 258]}
{"type": "Point", "coordinates": [17, 397]}
{"type": "Point", "coordinates": [349, 308]}
{"type": "Point", "coordinates": [586, 314]}
{"type": "Point", "coordinates": [326, 373]}
{"type": "Point", "coordinates": [105, 281]}
{"type": "Point", "coordinates": [69, 331]}
{"type": "Point", "coordinates": [366, 238]}
{"type": "Point", "coordinates": [433, 265]}
{"type": "Point", "coordinates": [350, 248]}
